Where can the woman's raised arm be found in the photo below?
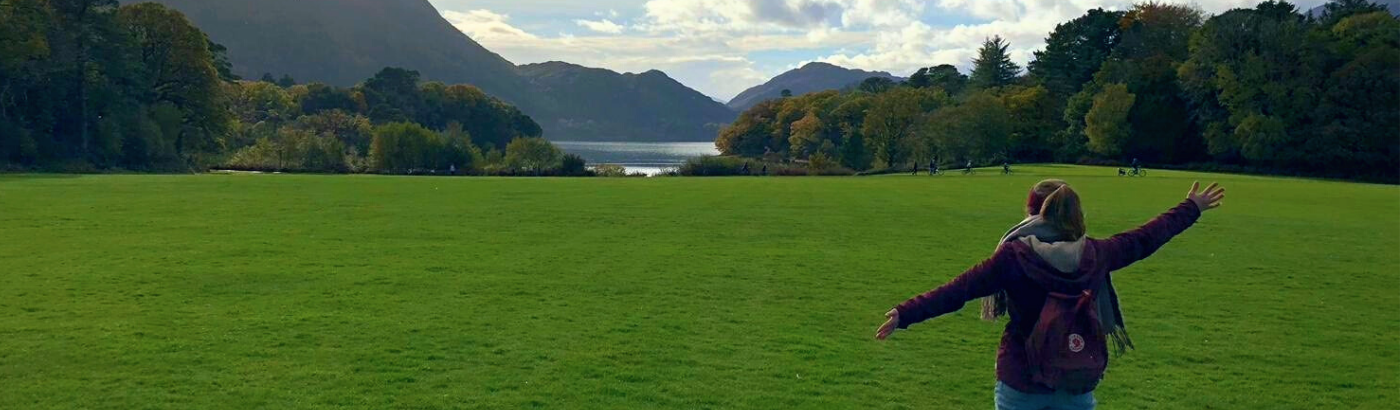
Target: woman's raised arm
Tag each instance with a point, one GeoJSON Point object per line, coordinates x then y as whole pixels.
{"type": "Point", "coordinates": [1126, 248]}
{"type": "Point", "coordinates": [982, 280]}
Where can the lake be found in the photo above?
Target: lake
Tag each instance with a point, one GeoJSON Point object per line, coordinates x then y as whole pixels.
{"type": "Point", "coordinates": [649, 157]}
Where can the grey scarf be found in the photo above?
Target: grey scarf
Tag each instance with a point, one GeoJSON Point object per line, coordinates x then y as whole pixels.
{"type": "Point", "coordinates": [1110, 312]}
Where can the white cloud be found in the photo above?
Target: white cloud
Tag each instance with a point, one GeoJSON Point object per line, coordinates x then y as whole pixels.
{"type": "Point", "coordinates": [1024, 23]}
{"type": "Point", "coordinates": [602, 26]}
{"type": "Point", "coordinates": [712, 67]}
{"type": "Point", "coordinates": [708, 63]}
{"type": "Point", "coordinates": [484, 25]}
{"type": "Point", "coordinates": [712, 45]}
{"type": "Point", "coordinates": [690, 16]}
{"type": "Point", "coordinates": [715, 62]}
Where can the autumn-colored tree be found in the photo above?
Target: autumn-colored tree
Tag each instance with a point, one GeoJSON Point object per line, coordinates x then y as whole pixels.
{"type": "Point", "coordinates": [1107, 123]}
{"type": "Point", "coordinates": [807, 135]}
{"type": "Point", "coordinates": [892, 119]}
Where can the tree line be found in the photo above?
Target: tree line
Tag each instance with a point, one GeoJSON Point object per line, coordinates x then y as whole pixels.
{"type": "Point", "coordinates": [91, 85]}
{"type": "Point", "coordinates": [1266, 88]}
{"type": "Point", "coordinates": [392, 123]}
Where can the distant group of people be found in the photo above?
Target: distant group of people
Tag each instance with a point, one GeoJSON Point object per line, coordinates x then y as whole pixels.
{"type": "Point", "coordinates": [966, 170]}
{"type": "Point", "coordinates": [1135, 169]}
{"type": "Point", "coordinates": [933, 169]}
{"type": "Point", "coordinates": [763, 172]}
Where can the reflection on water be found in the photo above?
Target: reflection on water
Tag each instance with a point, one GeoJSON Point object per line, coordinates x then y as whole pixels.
{"type": "Point", "coordinates": [649, 157]}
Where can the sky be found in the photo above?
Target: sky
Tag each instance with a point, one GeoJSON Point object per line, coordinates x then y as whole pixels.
{"type": "Point", "coordinates": [722, 47]}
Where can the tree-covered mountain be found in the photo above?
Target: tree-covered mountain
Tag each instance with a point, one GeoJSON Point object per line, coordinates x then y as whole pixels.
{"type": "Point", "coordinates": [341, 42]}
{"type": "Point", "coordinates": [811, 78]}
{"type": "Point", "coordinates": [597, 104]}
{"type": "Point", "coordinates": [1391, 5]}
{"type": "Point", "coordinates": [90, 85]}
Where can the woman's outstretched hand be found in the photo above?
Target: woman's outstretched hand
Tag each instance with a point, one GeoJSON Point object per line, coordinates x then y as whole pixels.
{"type": "Point", "coordinates": [890, 325]}
{"type": "Point", "coordinates": [1210, 199]}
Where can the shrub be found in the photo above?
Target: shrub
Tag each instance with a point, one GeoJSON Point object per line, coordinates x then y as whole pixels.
{"type": "Point", "coordinates": [532, 156]}
{"type": "Point", "coordinates": [788, 171]}
{"type": "Point", "coordinates": [292, 150]}
{"type": "Point", "coordinates": [573, 165]}
{"type": "Point", "coordinates": [261, 156]}
{"type": "Point", "coordinates": [70, 166]}
{"type": "Point", "coordinates": [823, 165]}
{"type": "Point", "coordinates": [408, 147]}
{"type": "Point", "coordinates": [320, 153]}
{"type": "Point", "coordinates": [353, 131]}
{"type": "Point", "coordinates": [881, 171]}
{"type": "Point", "coordinates": [464, 154]}
{"type": "Point", "coordinates": [492, 162]}
{"type": "Point", "coordinates": [716, 166]}
{"type": "Point", "coordinates": [356, 163]}
{"type": "Point", "coordinates": [610, 171]}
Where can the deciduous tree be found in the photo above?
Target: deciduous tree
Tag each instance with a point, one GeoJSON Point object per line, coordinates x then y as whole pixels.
{"type": "Point", "coordinates": [1076, 50]}
{"type": "Point", "coordinates": [532, 155]}
{"type": "Point", "coordinates": [1107, 123]}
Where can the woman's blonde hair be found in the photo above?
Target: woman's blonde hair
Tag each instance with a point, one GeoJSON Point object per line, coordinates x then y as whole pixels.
{"type": "Point", "coordinates": [1064, 212]}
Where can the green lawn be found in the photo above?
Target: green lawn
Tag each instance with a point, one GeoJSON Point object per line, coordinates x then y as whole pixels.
{"type": "Point", "coordinates": [289, 291]}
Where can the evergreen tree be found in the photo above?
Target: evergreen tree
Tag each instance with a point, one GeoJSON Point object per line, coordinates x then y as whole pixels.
{"type": "Point", "coordinates": [943, 76]}
{"type": "Point", "coordinates": [993, 67]}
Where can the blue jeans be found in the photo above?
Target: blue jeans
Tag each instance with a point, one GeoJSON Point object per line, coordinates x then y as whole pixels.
{"type": "Point", "coordinates": [1012, 399]}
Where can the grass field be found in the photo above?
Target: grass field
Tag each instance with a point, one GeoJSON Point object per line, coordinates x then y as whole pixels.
{"type": "Point", "coordinates": [286, 291]}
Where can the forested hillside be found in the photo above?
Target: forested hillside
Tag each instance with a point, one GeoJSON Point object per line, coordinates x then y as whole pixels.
{"type": "Point", "coordinates": [342, 42]}
{"type": "Point", "coordinates": [810, 78]}
{"type": "Point", "coordinates": [91, 85]}
{"type": "Point", "coordinates": [1266, 88]}
{"type": "Point", "coordinates": [601, 105]}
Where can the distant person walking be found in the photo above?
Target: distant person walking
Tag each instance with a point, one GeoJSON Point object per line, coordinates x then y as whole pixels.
{"type": "Point", "coordinates": [1054, 349]}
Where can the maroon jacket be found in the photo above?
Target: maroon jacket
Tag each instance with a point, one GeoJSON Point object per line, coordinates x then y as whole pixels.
{"type": "Point", "coordinates": [1012, 269]}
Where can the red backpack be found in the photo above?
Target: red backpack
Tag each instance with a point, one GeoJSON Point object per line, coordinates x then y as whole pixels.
{"type": "Point", "coordinates": [1067, 349]}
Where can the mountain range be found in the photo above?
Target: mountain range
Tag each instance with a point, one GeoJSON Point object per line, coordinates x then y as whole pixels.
{"type": "Point", "coordinates": [1392, 5]}
{"type": "Point", "coordinates": [604, 103]}
{"type": "Point", "coordinates": [343, 42]}
{"type": "Point", "coordinates": [812, 77]}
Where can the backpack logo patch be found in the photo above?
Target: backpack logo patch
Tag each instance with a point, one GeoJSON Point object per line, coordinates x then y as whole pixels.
{"type": "Point", "coordinates": [1076, 343]}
